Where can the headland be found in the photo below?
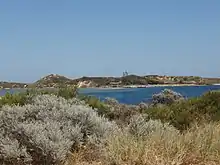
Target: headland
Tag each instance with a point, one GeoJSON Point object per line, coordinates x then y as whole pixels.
{"type": "Point", "coordinates": [127, 81]}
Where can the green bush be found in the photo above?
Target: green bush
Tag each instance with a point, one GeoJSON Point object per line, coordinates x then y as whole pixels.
{"type": "Point", "coordinates": [23, 98]}
{"type": "Point", "coordinates": [68, 92]}
{"type": "Point", "coordinates": [182, 114]}
{"type": "Point", "coordinates": [96, 103]}
{"type": "Point", "coordinates": [14, 99]}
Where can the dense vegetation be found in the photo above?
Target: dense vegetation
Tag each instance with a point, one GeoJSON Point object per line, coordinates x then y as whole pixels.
{"type": "Point", "coordinates": [61, 127]}
{"type": "Point", "coordinates": [183, 113]}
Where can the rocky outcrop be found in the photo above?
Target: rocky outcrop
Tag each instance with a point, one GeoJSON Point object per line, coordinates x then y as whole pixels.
{"type": "Point", "coordinates": [85, 84]}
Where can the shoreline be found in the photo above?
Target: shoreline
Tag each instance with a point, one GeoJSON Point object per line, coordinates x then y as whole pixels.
{"type": "Point", "coordinates": [171, 85]}
{"type": "Point", "coordinates": [144, 86]}
{"type": "Point", "coordinates": [125, 87]}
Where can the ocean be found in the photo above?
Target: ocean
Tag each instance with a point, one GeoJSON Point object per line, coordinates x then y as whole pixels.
{"type": "Point", "coordinates": [137, 95]}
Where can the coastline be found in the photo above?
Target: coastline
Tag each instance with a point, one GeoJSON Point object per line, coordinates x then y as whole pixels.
{"type": "Point", "coordinates": [171, 85]}
{"type": "Point", "coordinates": [143, 86]}
{"type": "Point", "coordinates": [124, 87]}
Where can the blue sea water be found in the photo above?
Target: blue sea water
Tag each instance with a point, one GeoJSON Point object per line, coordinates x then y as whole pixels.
{"type": "Point", "coordinates": [137, 95]}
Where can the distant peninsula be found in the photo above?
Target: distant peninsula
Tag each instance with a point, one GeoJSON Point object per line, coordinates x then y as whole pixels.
{"type": "Point", "coordinates": [126, 81]}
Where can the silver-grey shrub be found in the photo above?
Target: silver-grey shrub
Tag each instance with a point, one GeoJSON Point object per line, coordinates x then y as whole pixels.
{"type": "Point", "coordinates": [167, 96]}
{"type": "Point", "coordinates": [11, 151]}
{"type": "Point", "coordinates": [139, 127]}
{"type": "Point", "coordinates": [45, 131]}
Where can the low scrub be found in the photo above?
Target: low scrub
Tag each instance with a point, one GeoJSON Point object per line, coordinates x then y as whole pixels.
{"type": "Point", "coordinates": [13, 99]}
{"type": "Point", "coordinates": [47, 130]}
{"type": "Point", "coordinates": [96, 104]}
{"type": "Point", "coordinates": [25, 97]}
{"type": "Point", "coordinates": [56, 127]}
{"type": "Point", "coordinates": [112, 109]}
{"type": "Point", "coordinates": [167, 106]}
{"type": "Point", "coordinates": [121, 113]}
{"type": "Point", "coordinates": [156, 143]}
{"type": "Point", "coordinates": [184, 113]}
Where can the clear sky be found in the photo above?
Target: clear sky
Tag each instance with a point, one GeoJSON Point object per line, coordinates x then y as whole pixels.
{"type": "Point", "coordinates": [78, 38]}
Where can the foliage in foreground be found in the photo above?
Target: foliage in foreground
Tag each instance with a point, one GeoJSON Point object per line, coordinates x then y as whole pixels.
{"type": "Point", "coordinates": [155, 143]}
{"type": "Point", "coordinates": [163, 145]}
{"type": "Point", "coordinates": [47, 130]}
{"type": "Point", "coordinates": [167, 106]}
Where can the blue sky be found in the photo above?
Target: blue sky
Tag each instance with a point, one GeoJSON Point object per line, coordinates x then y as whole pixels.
{"type": "Point", "coordinates": [105, 38]}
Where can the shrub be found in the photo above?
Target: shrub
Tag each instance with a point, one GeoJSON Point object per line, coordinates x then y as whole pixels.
{"type": "Point", "coordinates": [96, 104]}
{"type": "Point", "coordinates": [111, 101]}
{"type": "Point", "coordinates": [143, 106]}
{"type": "Point", "coordinates": [48, 129]}
{"type": "Point", "coordinates": [68, 92]}
{"type": "Point", "coordinates": [112, 109]}
{"type": "Point", "coordinates": [139, 127]}
{"type": "Point", "coordinates": [167, 96]}
{"type": "Point", "coordinates": [23, 98]}
{"type": "Point", "coordinates": [14, 99]}
{"type": "Point", "coordinates": [122, 113]}
{"type": "Point", "coordinates": [11, 152]}
{"type": "Point", "coordinates": [183, 114]}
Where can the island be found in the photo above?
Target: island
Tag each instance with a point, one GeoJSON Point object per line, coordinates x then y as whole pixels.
{"type": "Point", "coordinates": [125, 81]}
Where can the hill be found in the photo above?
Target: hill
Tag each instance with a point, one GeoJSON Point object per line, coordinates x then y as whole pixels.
{"type": "Point", "coordinates": [55, 80]}
{"type": "Point", "coordinates": [52, 80]}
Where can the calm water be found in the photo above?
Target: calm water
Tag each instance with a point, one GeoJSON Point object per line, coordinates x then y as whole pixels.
{"type": "Point", "coordinates": [137, 95]}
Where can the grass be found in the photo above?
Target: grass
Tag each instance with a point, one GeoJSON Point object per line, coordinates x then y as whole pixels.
{"type": "Point", "coordinates": [200, 145]}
